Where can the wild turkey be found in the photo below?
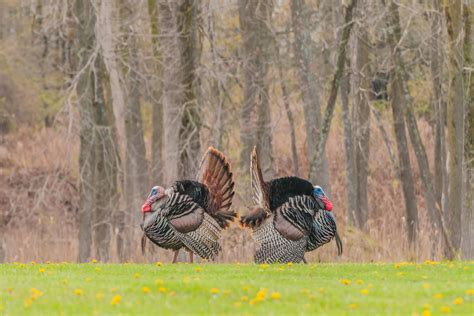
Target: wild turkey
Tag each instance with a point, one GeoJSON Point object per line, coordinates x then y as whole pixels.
{"type": "Point", "coordinates": [191, 214]}
{"type": "Point", "coordinates": [291, 218]}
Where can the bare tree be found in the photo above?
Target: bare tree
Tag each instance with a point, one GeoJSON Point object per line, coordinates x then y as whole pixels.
{"type": "Point", "coordinates": [455, 120]}
{"type": "Point", "coordinates": [255, 113]}
{"type": "Point", "coordinates": [304, 54]}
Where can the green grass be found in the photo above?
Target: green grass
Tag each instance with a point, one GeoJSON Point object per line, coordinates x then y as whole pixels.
{"type": "Point", "coordinates": [183, 289]}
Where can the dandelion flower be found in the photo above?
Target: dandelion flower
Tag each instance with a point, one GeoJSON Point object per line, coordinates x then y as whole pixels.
{"type": "Point", "coordinates": [445, 309]}
{"type": "Point", "coordinates": [214, 290]}
{"type": "Point", "coordinates": [78, 292]}
{"type": "Point", "coordinates": [158, 264]}
{"type": "Point", "coordinates": [33, 262]}
{"type": "Point", "coordinates": [244, 298]}
{"type": "Point", "coordinates": [159, 282]}
{"type": "Point", "coordinates": [290, 264]}
{"type": "Point", "coordinates": [360, 281]}
{"type": "Point", "coordinates": [345, 281]}
{"type": "Point", "coordinates": [470, 292]}
{"type": "Point", "coordinates": [115, 300]}
{"type": "Point", "coordinates": [162, 290]}
{"type": "Point", "coordinates": [426, 312]}
{"type": "Point", "coordinates": [275, 296]}
{"type": "Point", "coordinates": [253, 301]}
{"type": "Point", "coordinates": [93, 261]}
{"type": "Point", "coordinates": [261, 295]}
{"type": "Point", "coordinates": [35, 293]}
{"type": "Point", "coordinates": [438, 296]}
{"type": "Point", "coordinates": [99, 296]}
{"type": "Point", "coordinates": [136, 275]}
{"type": "Point", "coordinates": [198, 269]}
{"type": "Point", "coordinates": [42, 270]}
{"type": "Point", "coordinates": [28, 302]}
{"type": "Point", "coordinates": [458, 301]}
{"type": "Point", "coordinates": [245, 288]}
{"type": "Point", "coordinates": [145, 289]}
{"type": "Point", "coordinates": [426, 286]}
{"type": "Point", "coordinates": [264, 266]}
{"type": "Point", "coordinates": [364, 292]}
{"type": "Point", "coordinates": [97, 269]}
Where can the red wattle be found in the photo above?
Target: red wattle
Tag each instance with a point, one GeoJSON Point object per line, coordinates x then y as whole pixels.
{"type": "Point", "coordinates": [327, 203]}
{"type": "Point", "coordinates": [146, 208]}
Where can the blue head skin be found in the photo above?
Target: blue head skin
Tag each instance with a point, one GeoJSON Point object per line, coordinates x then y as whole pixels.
{"type": "Point", "coordinates": [318, 191]}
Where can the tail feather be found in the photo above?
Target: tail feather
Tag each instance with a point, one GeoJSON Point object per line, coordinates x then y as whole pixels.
{"type": "Point", "coordinates": [339, 244]}
{"type": "Point", "coordinates": [259, 187]}
{"type": "Point", "coordinates": [215, 173]}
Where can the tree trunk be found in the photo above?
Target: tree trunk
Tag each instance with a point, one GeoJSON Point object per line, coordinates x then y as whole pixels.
{"type": "Point", "coordinates": [188, 26]}
{"type": "Point", "coordinates": [157, 115]}
{"type": "Point", "coordinates": [87, 154]}
{"type": "Point", "coordinates": [303, 51]}
{"type": "Point", "coordinates": [173, 98]}
{"type": "Point", "coordinates": [362, 116]}
{"type": "Point", "coordinates": [455, 120]}
{"type": "Point", "coordinates": [106, 165]}
{"type": "Point", "coordinates": [254, 22]}
{"type": "Point", "coordinates": [404, 166]}
{"type": "Point", "coordinates": [289, 113]}
{"type": "Point", "coordinates": [467, 244]}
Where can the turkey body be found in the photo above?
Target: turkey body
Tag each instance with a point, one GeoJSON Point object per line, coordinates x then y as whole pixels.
{"type": "Point", "coordinates": [191, 214]}
{"type": "Point", "coordinates": [289, 220]}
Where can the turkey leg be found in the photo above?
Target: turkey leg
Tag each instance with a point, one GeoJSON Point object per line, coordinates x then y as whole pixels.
{"type": "Point", "coordinates": [191, 259]}
{"type": "Point", "coordinates": [175, 257]}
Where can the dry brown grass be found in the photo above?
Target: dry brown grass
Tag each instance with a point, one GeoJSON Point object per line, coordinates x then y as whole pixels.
{"type": "Point", "coordinates": [39, 201]}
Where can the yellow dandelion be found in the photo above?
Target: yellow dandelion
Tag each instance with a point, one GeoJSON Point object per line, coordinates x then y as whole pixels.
{"type": "Point", "coordinates": [28, 302]}
{"type": "Point", "coordinates": [426, 286]}
{"type": "Point", "coordinates": [244, 298]}
{"type": "Point", "coordinates": [458, 301]}
{"type": "Point", "coordinates": [159, 282]}
{"type": "Point", "coordinates": [93, 261]}
{"type": "Point", "coordinates": [136, 275]}
{"type": "Point", "coordinates": [438, 296]}
{"type": "Point", "coordinates": [65, 281]}
{"type": "Point", "coordinates": [364, 292]}
{"type": "Point", "coordinates": [35, 293]}
{"type": "Point", "coordinates": [198, 269]}
{"type": "Point", "coordinates": [353, 306]}
{"type": "Point", "coordinates": [145, 289]}
{"type": "Point", "coordinates": [470, 292]}
{"type": "Point", "coordinates": [360, 281]}
{"type": "Point", "coordinates": [33, 262]}
{"type": "Point", "coordinates": [397, 266]}
{"type": "Point", "coordinates": [245, 288]}
{"type": "Point", "coordinates": [260, 296]}
{"type": "Point", "coordinates": [345, 281]}
{"type": "Point", "coordinates": [290, 264]}
{"type": "Point", "coordinates": [162, 290]}
{"type": "Point", "coordinates": [466, 268]}
{"type": "Point", "coordinates": [275, 296]}
{"type": "Point", "coordinates": [115, 300]}
{"type": "Point", "coordinates": [97, 269]}
{"type": "Point", "coordinates": [214, 290]}
{"type": "Point", "coordinates": [42, 270]}
{"type": "Point", "coordinates": [78, 292]}
{"type": "Point", "coordinates": [158, 264]}
{"type": "Point", "coordinates": [253, 301]}
{"type": "Point", "coordinates": [445, 309]}
{"type": "Point", "coordinates": [264, 266]}
{"type": "Point", "coordinates": [426, 312]}
{"type": "Point", "coordinates": [99, 296]}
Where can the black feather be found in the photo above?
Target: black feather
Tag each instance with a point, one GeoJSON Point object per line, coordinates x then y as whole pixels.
{"type": "Point", "coordinates": [282, 189]}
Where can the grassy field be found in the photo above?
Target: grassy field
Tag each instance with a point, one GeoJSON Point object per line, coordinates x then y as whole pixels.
{"type": "Point", "coordinates": [428, 288]}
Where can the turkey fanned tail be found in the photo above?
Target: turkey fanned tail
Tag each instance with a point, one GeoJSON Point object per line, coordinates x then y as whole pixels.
{"type": "Point", "coordinates": [215, 173]}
